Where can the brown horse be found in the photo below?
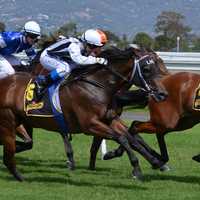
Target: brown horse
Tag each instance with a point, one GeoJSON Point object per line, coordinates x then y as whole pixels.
{"type": "Point", "coordinates": [86, 105]}
{"type": "Point", "coordinates": [178, 112]}
{"type": "Point", "coordinates": [24, 131]}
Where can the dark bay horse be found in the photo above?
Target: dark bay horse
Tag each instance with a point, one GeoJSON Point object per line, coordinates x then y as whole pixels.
{"type": "Point", "coordinates": [178, 112]}
{"type": "Point", "coordinates": [86, 105]}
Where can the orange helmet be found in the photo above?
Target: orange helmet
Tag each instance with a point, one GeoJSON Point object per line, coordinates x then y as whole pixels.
{"type": "Point", "coordinates": [94, 37]}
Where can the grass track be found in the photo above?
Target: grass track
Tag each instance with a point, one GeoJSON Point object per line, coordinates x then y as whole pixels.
{"type": "Point", "coordinates": [46, 177]}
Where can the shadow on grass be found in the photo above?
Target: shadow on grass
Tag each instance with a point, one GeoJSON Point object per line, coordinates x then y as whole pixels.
{"type": "Point", "coordinates": [85, 183]}
{"type": "Point", "coordinates": [46, 167]}
{"type": "Point", "coordinates": [175, 178]}
{"type": "Point", "coordinates": [48, 176]}
{"type": "Point", "coordinates": [69, 181]}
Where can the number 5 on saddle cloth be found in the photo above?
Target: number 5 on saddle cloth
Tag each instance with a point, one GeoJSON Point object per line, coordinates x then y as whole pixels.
{"type": "Point", "coordinates": [46, 106]}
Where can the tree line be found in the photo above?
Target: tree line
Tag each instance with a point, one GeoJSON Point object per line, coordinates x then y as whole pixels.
{"type": "Point", "coordinates": [170, 31]}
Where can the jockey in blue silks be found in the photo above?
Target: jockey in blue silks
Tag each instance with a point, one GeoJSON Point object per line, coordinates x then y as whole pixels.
{"type": "Point", "coordinates": [77, 52]}
{"type": "Point", "coordinates": [15, 42]}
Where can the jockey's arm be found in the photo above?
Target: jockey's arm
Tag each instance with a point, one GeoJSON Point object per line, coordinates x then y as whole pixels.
{"type": "Point", "coordinates": [2, 42]}
{"type": "Point", "coordinates": [9, 39]}
{"type": "Point", "coordinates": [77, 57]}
{"type": "Point", "coordinates": [31, 53]}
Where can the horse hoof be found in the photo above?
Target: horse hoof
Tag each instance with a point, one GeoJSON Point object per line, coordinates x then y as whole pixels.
{"type": "Point", "coordinates": [109, 155]}
{"type": "Point", "coordinates": [70, 165]}
{"type": "Point", "coordinates": [165, 168]}
{"type": "Point", "coordinates": [137, 174]}
{"type": "Point", "coordinates": [139, 178]}
{"type": "Point", "coordinates": [18, 177]}
{"type": "Point", "coordinates": [196, 158]}
{"type": "Point", "coordinates": [91, 168]}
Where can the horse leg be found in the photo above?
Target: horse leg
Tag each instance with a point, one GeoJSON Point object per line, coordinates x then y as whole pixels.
{"type": "Point", "coordinates": [163, 151]}
{"type": "Point", "coordinates": [69, 152]}
{"type": "Point", "coordinates": [96, 143]}
{"type": "Point", "coordinates": [148, 127]}
{"type": "Point", "coordinates": [8, 140]}
{"type": "Point", "coordinates": [119, 151]}
{"type": "Point", "coordinates": [117, 132]}
{"type": "Point", "coordinates": [114, 153]}
{"type": "Point", "coordinates": [25, 132]}
{"type": "Point", "coordinates": [163, 147]}
{"type": "Point", "coordinates": [147, 147]}
{"type": "Point", "coordinates": [134, 132]}
{"type": "Point", "coordinates": [196, 158]}
{"type": "Point", "coordinates": [22, 133]}
{"type": "Point", "coordinates": [156, 163]}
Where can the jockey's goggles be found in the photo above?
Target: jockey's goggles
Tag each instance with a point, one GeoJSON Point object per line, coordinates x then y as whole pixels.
{"type": "Point", "coordinates": [33, 36]}
{"type": "Point", "coordinates": [92, 46]}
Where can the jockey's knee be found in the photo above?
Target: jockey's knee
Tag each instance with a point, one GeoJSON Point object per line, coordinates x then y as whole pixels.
{"type": "Point", "coordinates": [10, 72]}
{"type": "Point", "coordinates": [4, 74]}
{"type": "Point", "coordinates": [62, 72]}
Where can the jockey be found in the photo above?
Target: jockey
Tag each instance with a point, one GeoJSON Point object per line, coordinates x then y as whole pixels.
{"type": "Point", "coordinates": [77, 52]}
{"type": "Point", "coordinates": [15, 42]}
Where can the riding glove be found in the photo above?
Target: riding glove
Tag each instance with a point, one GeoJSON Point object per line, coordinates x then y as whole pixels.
{"type": "Point", "coordinates": [102, 61]}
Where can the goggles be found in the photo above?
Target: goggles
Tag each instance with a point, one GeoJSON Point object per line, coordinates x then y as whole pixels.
{"type": "Point", "coordinates": [33, 36]}
{"type": "Point", "coordinates": [92, 46]}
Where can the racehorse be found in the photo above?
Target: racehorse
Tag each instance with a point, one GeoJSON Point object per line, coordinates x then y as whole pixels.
{"type": "Point", "coordinates": [86, 104]}
{"type": "Point", "coordinates": [179, 111]}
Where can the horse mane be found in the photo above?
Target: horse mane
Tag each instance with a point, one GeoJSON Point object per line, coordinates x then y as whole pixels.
{"type": "Point", "coordinates": [115, 54]}
{"type": "Point", "coordinates": [163, 70]}
{"type": "Point", "coordinates": [47, 42]}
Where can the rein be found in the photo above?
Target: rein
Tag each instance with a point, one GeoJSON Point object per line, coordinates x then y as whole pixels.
{"type": "Point", "coordinates": [130, 80]}
{"type": "Point", "coordinates": [116, 73]}
{"type": "Point", "coordinates": [135, 68]}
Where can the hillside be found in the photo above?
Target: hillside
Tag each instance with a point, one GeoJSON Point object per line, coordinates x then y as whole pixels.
{"type": "Point", "coordinates": [118, 16]}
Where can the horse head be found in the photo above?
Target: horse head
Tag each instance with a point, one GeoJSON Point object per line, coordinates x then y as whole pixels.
{"type": "Point", "coordinates": [139, 67]}
{"type": "Point", "coordinates": [153, 70]}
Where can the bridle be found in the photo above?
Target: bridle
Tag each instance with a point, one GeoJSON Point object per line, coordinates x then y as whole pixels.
{"type": "Point", "coordinates": [136, 68]}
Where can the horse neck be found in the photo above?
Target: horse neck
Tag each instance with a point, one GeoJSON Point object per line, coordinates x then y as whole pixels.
{"type": "Point", "coordinates": [110, 81]}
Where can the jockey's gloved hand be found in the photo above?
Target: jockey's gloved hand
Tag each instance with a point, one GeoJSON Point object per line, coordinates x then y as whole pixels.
{"type": "Point", "coordinates": [102, 61]}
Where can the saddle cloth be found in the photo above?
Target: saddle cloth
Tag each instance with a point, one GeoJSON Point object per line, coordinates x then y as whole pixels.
{"type": "Point", "coordinates": [196, 102]}
{"type": "Point", "coordinates": [47, 106]}
{"type": "Point", "coordinates": [41, 107]}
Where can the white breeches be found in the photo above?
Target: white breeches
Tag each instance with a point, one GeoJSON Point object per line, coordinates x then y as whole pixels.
{"type": "Point", "coordinates": [52, 63]}
{"type": "Point", "coordinates": [5, 68]}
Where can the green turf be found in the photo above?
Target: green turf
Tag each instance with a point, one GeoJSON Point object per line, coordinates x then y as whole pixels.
{"type": "Point", "coordinates": [46, 177]}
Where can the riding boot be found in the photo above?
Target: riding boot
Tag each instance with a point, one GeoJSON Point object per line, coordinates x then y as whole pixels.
{"type": "Point", "coordinates": [42, 82]}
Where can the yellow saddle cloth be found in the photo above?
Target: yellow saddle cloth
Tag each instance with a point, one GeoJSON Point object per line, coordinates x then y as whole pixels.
{"type": "Point", "coordinates": [196, 102]}
{"type": "Point", "coordinates": [35, 107]}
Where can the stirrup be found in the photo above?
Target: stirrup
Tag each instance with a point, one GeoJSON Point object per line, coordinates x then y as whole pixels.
{"type": "Point", "coordinates": [39, 93]}
{"type": "Point", "coordinates": [39, 90]}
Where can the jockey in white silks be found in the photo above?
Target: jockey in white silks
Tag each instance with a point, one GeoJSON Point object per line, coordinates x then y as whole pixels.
{"type": "Point", "coordinates": [77, 52]}
{"type": "Point", "coordinates": [15, 42]}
